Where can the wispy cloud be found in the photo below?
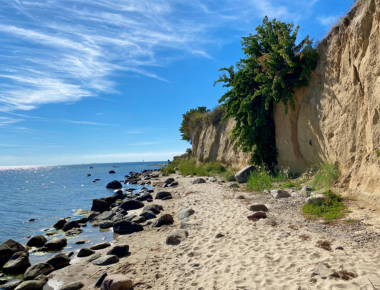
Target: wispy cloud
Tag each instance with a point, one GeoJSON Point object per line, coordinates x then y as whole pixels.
{"type": "Point", "coordinates": [88, 123]}
{"type": "Point", "coordinates": [134, 132]}
{"type": "Point", "coordinates": [327, 20]}
{"type": "Point", "coordinates": [144, 143]}
{"type": "Point", "coordinates": [8, 120]}
{"type": "Point", "coordinates": [9, 145]}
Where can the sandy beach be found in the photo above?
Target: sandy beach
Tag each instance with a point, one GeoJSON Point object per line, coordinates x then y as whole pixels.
{"type": "Point", "coordinates": [226, 250]}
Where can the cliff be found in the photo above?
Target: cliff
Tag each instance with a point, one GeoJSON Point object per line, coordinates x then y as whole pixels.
{"type": "Point", "coordinates": [336, 117]}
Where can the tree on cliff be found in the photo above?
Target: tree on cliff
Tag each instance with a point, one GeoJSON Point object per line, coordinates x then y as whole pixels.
{"type": "Point", "coordinates": [273, 65]}
{"type": "Point", "coordinates": [191, 121]}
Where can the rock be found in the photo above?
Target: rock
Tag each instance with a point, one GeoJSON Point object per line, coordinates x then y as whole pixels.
{"type": "Point", "coordinates": [145, 197]}
{"type": "Point", "coordinates": [70, 225]}
{"type": "Point", "coordinates": [106, 224]}
{"type": "Point", "coordinates": [81, 242]}
{"type": "Point", "coordinates": [277, 194]}
{"type": "Point", "coordinates": [111, 172]}
{"type": "Point", "coordinates": [219, 235]}
{"type": "Point", "coordinates": [257, 215]}
{"type": "Point", "coordinates": [82, 220]}
{"type": "Point", "coordinates": [185, 213]}
{"type": "Point", "coordinates": [174, 183]}
{"type": "Point", "coordinates": [72, 286]}
{"type": "Point", "coordinates": [92, 214]}
{"type": "Point", "coordinates": [59, 261]}
{"type": "Point", "coordinates": [239, 196]}
{"type": "Point", "coordinates": [130, 217]}
{"type": "Point", "coordinates": [99, 205]}
{"type": "Point", "coordinates": [11, 285]}
{"type": "Point", "coordinates": [283, 234]}
{"type": "Point", "coordinates": [323, 271]}
{"type": "Point", "coordinates": [31, 285]}
{"type": "Point", "coordinates": [162, 195]}
{"type": "Point", "coordinates": [167, 197]}
{"type": "Point", "coordinates": [94, 257]}
{"type": "Point", "coordinates": [74, 232]}
{"type": "Point", "coordinates": [56, 244]}
{"type": "Point", "coordinates": [36, 241]}
{"type": "Point", "coordinates": [116, 282]}
{"type": "Point", "coordinates": [139, 219]}
{"type": "Point", "coordinates": [266, 222]}
{"type": "Point", "coordinates": [155, 208]}
{"type": "Point", "coordinates": [242, 175]}
{"type": "Point", "coordinates": [107, 215]}
{"type": "Point", "coordinates": [131, 205]}
{"type": "Point", "coordinates": [306, 234]}
{"type": "Point", "coordinates": [59, 224]}
{"type": "Point", "coordinates": [316, 199]}
{"type": "Point", "coordinates": [69, 253]}
{"type": "Point", "coordinates": [163, 220]}
{"type": "Point", "coordinates": [148, 215]}
{"type": "Point", "coordinates": [199, 181]}
{"type": "Point", "coordinates": [126, 227]}
{"type": "Point", "coordinates": [257, 207]}
{"type": "Point", "coordinates": [106, 260]}
{"type": "Point", "coordinates": [119, 250]}
{"type": "Point", "coordinates": [42, 277]}
{"type": "Point", "coordinates": [169, 180]}
{"type": "Point", "coordinates": [100, 246]}
{"type": "Point", "coordinates": [17, 264]}
{"type": "Point", "coordinates": [38, 269]}
{"type": "Point", "coordinates": [114, 184]}
{"type": "Point", "coordinates": [337, 247]}
{"type": "Point", "coordinates": [100, 280]}
{"type": "Point", "coordinates": [85, 252]}
{"type": "Point", "coordinates": [7, 249]}
{"type": "Point", "coordinates": [110, 199]}
{"type": "Point", "coordinates": [176, 236]}
{"type": "Point", "coordinates": [51, 234]}
{"type": "Point", "coordinates": [306, 191]}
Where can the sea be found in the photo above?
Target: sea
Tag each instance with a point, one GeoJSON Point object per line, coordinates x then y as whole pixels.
{"type": "Point", "coordinates": [49, 193]}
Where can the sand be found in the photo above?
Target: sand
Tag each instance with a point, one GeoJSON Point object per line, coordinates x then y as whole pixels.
{"type": "Point", "coordinates": [225, 250]}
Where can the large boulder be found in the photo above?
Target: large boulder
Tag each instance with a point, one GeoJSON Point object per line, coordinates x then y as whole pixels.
{"type": "Point", "coordinates": [148, 215]}
{"type": "Point", "coordinates": [199, 181]}
{"type": "Point", "coordinates": [145, 197]}
{"type": "Point", "coordinates": [126, 227]}
{"type": "Point", "coordinates": [7, 249]}
{"type": "Point", "coordinates": [116, 282]}
{"type": "Point", "coordinates": [72, 286]}
{"type": "Point", "coordinates": [38, 269]}
{"type": "Point", "coordinates": [105, 224]}
{"type": "Point", "coordinates": [31, 285]}
{"type": "Point", "coordinates": [84, 252]}
{"type": "Point", "coordinates": [59, 224]}
{"type": "Point", "coordinates": [99, 205]}
{"type": "Point", "coordinates": [106, 260]}
{"type": "Point", "coordinates": [131, 204]}
{"type": "Point", "coordinates": [139, 219]}
{"type": "Point", "coordinates": [114, 184]}
{"type": "Point", "coordinates": [11, 285]}
{"type": "Point", "coordinates": [163, 194]}
{"type": "Point", "coordinates": [92, 214]}
{"type": "Point", "coordinates": [118, 250]}
{"type": "Point", "coordinates": [155, 208]}
{"type": "Point", "coordinates": [100, 246]}
{"type": "Point", "coordinates": [71, 225]}
{"type": "Point", "coordinates": [17, 264]}
{"type": "Point", "coordinates": [163, 220]}
{"type": "Point", "coordinates": [176, 236]}
{"type": "Point", "coordinates": [57, 244]}
{"type": "Point", "coordinates": [185, 213]}
{"type": "Point", "coordinates": [257, 207]}
{"type": "Point", "coordinates": [169, 180]}
{"type": "Point", "coordinates": [59, 261]}
{"type": "Point", "coordinates": [243, 175]}
{"type": "Point", "coordinates": [317, 199]}
{"type": "Point", "coordinates": [107, 215]}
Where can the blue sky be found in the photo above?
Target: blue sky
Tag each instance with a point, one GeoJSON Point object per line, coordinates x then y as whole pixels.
{"type": "Point", "coordinates": [108, 80]}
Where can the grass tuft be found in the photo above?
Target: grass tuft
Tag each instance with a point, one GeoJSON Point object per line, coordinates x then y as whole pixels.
{"type": "Point", "coordinates": [326, 175]}
{"type": "Point", "coordinates": [259, 180]}
{"type": "Point", "coordinates": [378, 152]}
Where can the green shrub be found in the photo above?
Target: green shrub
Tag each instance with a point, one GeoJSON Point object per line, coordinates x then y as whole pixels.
{"type": "Point", "coordinates": [192, 121]}
{"type": "Point", "coordinates": [378, 152]}
{"type": "Point", "coordinates": [259, 180]}
{"type": "Point", "coordinates": [332, 208]}
{"type": "Point", "coordinates": [187, 168]}
{"type": "Point", "coordinates": [229, 175]}
{"type": "Point", "coordinates": [326, 175]}
{"type": "Point", "coordinates": [168, 169]}
{"type": "Point", "coordinates": [215, 116]}
{"type": "Point", "coordinates": [210, 169]}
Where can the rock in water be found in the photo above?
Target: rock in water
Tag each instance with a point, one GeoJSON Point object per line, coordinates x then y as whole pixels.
{"type": "Point", "coordinates": [72, 286]}
{"type": "Point", "coordinates": [118, 250]}
{"type": "Point", "coordinates": [55, 245]}
{"type": "Point", "coordinates": [111, 172]}
{"type": "Point", "coordinates": [125, 227]}
{"type": "Point", "coordinates": [185, 213]}
{"type": "Point", "coordinates": [100, 246]}
{"type": "Point", "coordinates": [199, 181]}
{"type": "Point", "coordinates": [36, 241]}
{"type": "Point", "coordinates": [59, 261]}
{"type": "Point", "coordinates": [84, 252]}
{"type": "Point", "coordinates": [17, 264]}
{"type": "Point", "coordinates": [242, 175]}
{"type": "Point", "coordinates": [105, 224]}
{"type": "Point", "coordinates": [38, 269]}
{"type": "Point", "coordinates": [116, 282]}
{"type": "Point", "coordinates": [99, 205]}
{"type": "Point", "coordinates": [59, 224]}
{"type": "Point", "coordinates": [163, 220]}
{"type": "Point", "coordinates": [114, 184]}
{"type": "Point", "coordinates": [175, 237]}
{"type": "Point", "coordinates": [106, 260]}
{"type": "Point", "coordinates": [257, 207]}
{"type": "Point", "coordinates": [8, 248]}
{"type": "Point", "coordinates": [70, 225]}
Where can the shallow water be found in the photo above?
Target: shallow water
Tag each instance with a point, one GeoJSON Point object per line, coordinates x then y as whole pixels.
{"type": "Point", "coordinates": [48, 193]}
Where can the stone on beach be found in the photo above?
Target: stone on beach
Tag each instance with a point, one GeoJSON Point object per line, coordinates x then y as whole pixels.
{"type": "Point", "coordinates": [116, 282]}
{"type": "Point", "coordinates": [199, 181]}
{"type": "Point", "coordinates": [17, 264]}
{"type": "Point", "coordinates": [267, 222]}
{"type": "Point", "coordinates": [72, 286]}
{"type": "Point", "coordinates": [145, 197]}
{"type": "Point", "coordinates": [106, 260]}
{"type": "Point", "coordinates": [106, 224]}
{"type": "Point", "coordinates": [169, 180]}
{"type": "Point", "coordinates": [162, 195]}
{"type": "Point", "coordinates": [92, 214]}
{"type": "Point", "coordinates": [31, 285]}
{"type": "Point", "coordinates": [58, 261]}
{"type": "Point", "coordinates": [138, 219]}
{"type": "Point", "coordinates": [38, 269]}
{"type": "Point", "coordinates": [163, 220]}
{"type": "Point", "coordinates": [119, 250]}
{"type": "Point", "coordinates": [155, 208]}
{"type": "Point", "coordinates": [185, 213]}
{"type": "Point", "coordinates": [126, 227]}
{"type": "Point", "coordinates": [85, 252]}
{"type": "Point", "coordinates": [114, 184]}
{"type": "Point", "coordinates": [257, 207]}
{"type": "Point", "coordinates": [323, 271]}
{"type": "Point", "coordinates": [316, 199]}
{"type": "Point", "coordinates": [148, 215]}
{"type": "Point", "coordinates": [277, 194]}
{"type": "Point", "coordinates": [8, 248]}
{"type": "Point", "coordinates": [107, 215]}
{"type": "Point", "coordinates": [242, 175]}
{"type": "Point", "coordinates": [100, 246]}
{"type": "Point", "coordinates": [131, 205]}
{"type": "Point", "coordinates": [176, 236]}
{"type": "Point", "coordinates": [11, 285]}
{"type": "Point", "coordinates": [257, 215]}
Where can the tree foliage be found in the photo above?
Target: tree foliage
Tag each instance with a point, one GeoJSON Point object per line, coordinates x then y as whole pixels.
{"type": "Point", "coordinates": [273, 65]}
{"type": "Point", "coordinates": [191, 120]}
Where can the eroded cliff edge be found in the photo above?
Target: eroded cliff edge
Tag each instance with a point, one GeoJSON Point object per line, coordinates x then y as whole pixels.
{"type": "Point", "coordinates": [336, 117]}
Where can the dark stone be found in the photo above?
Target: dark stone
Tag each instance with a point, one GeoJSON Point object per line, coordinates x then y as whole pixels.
{"type": "Point", "coordinates": [167, 197]}
{"type": "Point", "coordinates": [145, 197]}
{"type": "Point", "coordinates": [17, 264]}
{"type": "Point", "coordinates": [257, 207]}
{"type": "Point", "coordinates": [125, 227]}
{"type": "Point", "coordinates": [100, 280]}
{"type": "Point", "coordinates": [57, 244]}
{"type": "Point", "coordinates": [107, 215]}
{"type": "Point", "coordinates": [11, 285]}
{"type": "Point", "coordinates": [92, 214]}
{"type": "Point", "coordinates": [169, 180]}
{"type": "Point", "coordinates": [8, 248]}
{"type": "Point", "coordinates": [100, 246]}
{"type": "Point", "coordinates": [69, 253]}
{"type": "Point", "coordinates": [106, 224]}
{"type": "Point", "coordinates": [82, 220]}
{"type": "Point", "coordinates": [106, 260]}
{"type": "Point", "coordinates": [139, 219]}
{"type": "Point", "coordinates": [36, 241]}
{"type": "Point", "coordinates": [59, 261]}
{"type": "Point", "coordinates": [199, 181]}
{"type": "Point", "coordinates": [118, 250]}
{"type": "Point", "coordinates": [94, 257]}
{"type": "Point", "coordinates": [185, 213]}
{"type": "Point", "coordinates": [73, 232]}
{"type": "Point", "coordinates": [175, 183]}
{"type": "Point", "coordinates": [59, 224]}
{"type": "Point", "coordinates": [81, 242]}
{"type": "Point", "coordinates": [31, 220]}
{"type": "Point", "coordinates": [132, 204]}
{"type": "Point", "coordinates": [84, 252]}
{"type": "Point", "coordinates": [114, 184]}
{"type": "Point", "coordinates": [38, 269]}
{"type": "Point", "coordinates": [148, 215]}
{"type": "Point", "coordinates": [72, 286]}
{"type": "Point", "coordinates": [155, 208]}
{"type": "Point", "coordinates": [163, 220]}
{"type": "Point", "coordinates": [242, 175]}
{"type": "Point", "coordinates": [162, 195]}
{"type": "Point", "coordinates": [70, 225]}
{"type": "Point", "coordinates": [257, 215]}
{"type": "Point", "coordinates": [130, 217]}
{"type": "Point", "coordinates": [31, 285]}
{"type": "Point", "coordinates": [99, 205]}
{"type": "Point", "coordinates": [111, 171]}
{"type": "Point", "coordinates": [176, 236]}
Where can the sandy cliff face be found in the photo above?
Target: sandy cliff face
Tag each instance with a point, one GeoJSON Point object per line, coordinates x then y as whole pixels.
{"type": "Point", "coordinates": [337, 116]}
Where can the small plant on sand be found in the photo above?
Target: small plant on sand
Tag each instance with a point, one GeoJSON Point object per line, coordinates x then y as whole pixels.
{"type": "Point", "coordinates": [326, 175]}
{"type": "Point", "coordinates": [168, 169]}
{"type": "Point", "coordinates": [259, 180]}
{"type": "Point", "coordinates": [378, 152]}
{"type": "Point", "coordinates": [210, 169]}
{"type": "Point", "coordinates": [187, 168]}
{"type": "Point", "coordinates": [332, 208]}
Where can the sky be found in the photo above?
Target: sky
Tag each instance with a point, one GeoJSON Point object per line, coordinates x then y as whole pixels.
{"type": "Point", "coordinates": [93, 81]}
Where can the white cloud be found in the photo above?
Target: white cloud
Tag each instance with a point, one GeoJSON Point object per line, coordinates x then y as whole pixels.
{"type": "Point", "coordinates": [8, 120]}
{"type": "Point", "coordinates": [88, 123]}
{"type": "Point", "coordinates": [144, 143]}
{"type": "Point", "coordinates": [328, 20]}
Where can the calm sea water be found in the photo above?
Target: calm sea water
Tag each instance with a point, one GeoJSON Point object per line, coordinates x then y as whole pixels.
{"type": "Point", "coordinates": [48, 193]}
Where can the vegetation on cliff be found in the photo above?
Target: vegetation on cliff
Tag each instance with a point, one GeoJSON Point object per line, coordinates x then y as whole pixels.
{"type": "Point", "coordinates": [273, 66]}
